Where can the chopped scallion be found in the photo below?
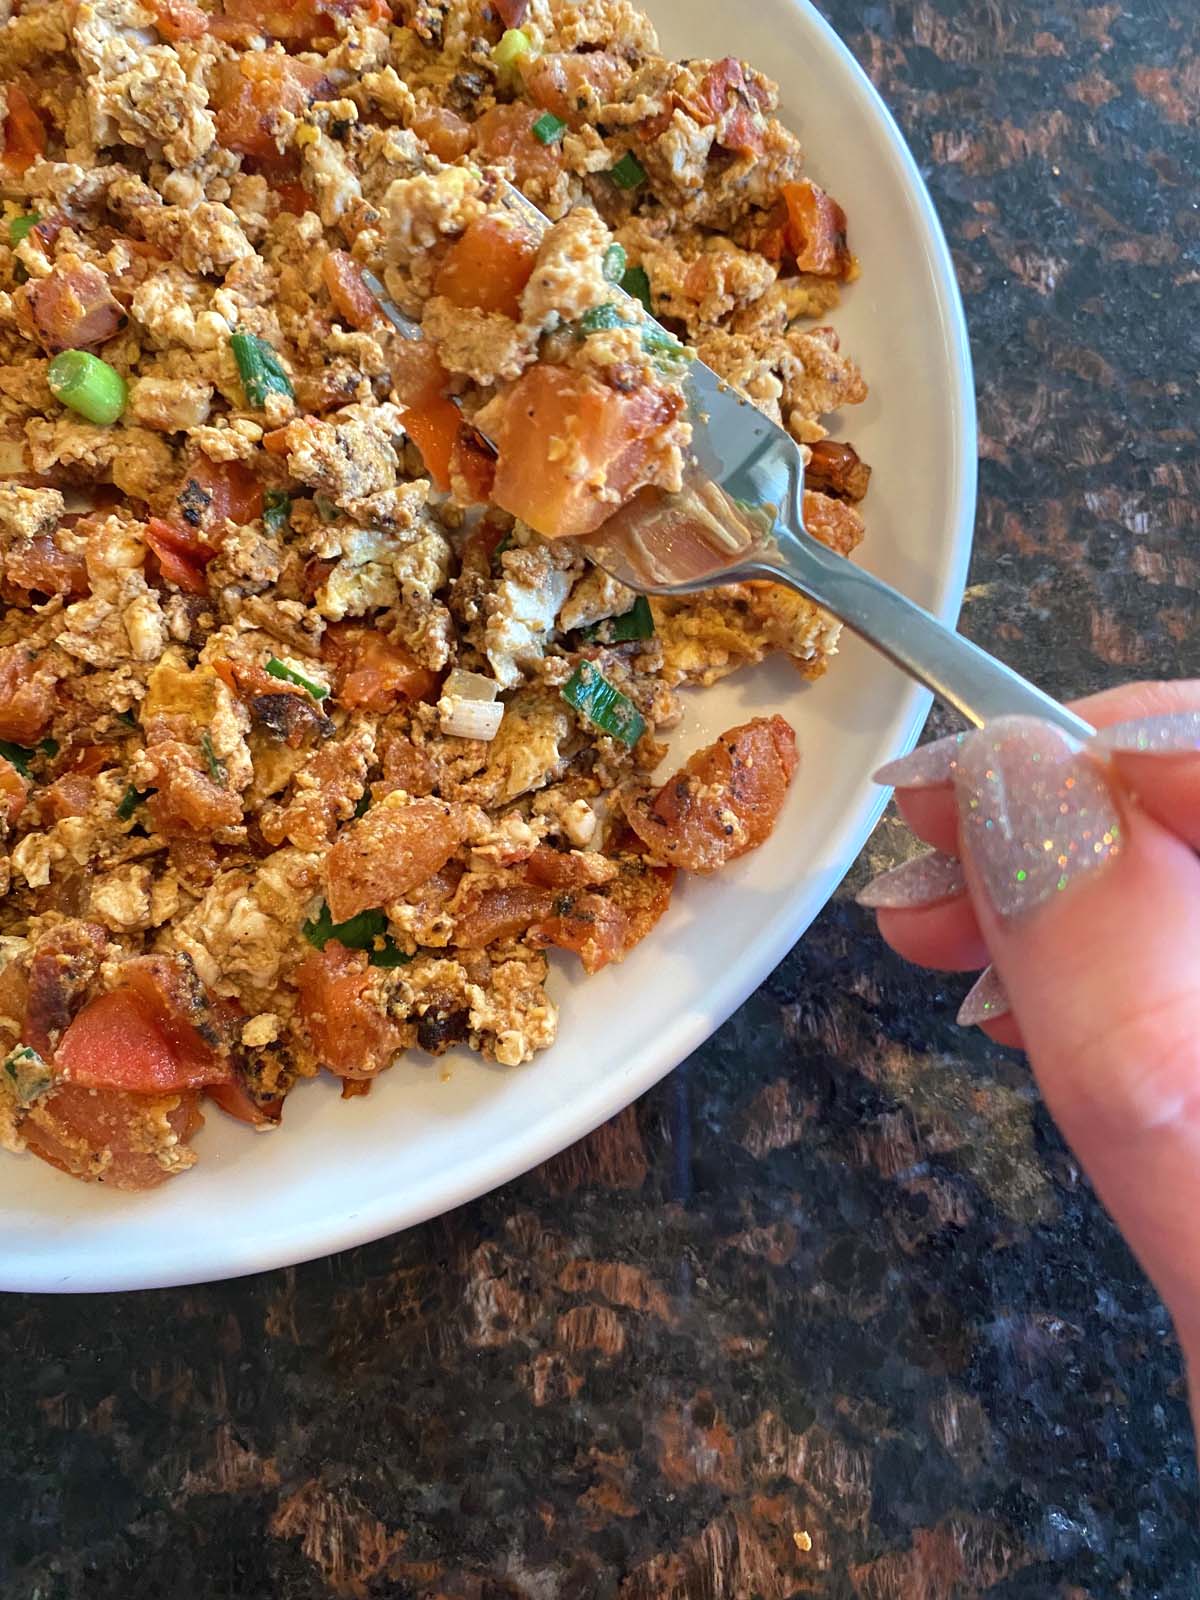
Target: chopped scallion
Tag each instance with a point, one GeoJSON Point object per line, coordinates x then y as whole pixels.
{"type": "Point", "coordinates": [615, 263]}
{"type": "Point", "coordinates": [131, 800]}
{"type": "Point", "coordinates": [658, 342]}
{"type": "Point", "coordinates": [128, 718]}
{"type": "Point", "coordinates": [277, 510]}
{"type": "Point", "coordinates": [17, 756]}
{"type": "Point", "coordinates": [49, 747]}
{"type": "Point", "coordinates": [280, 669]}
{"type": "Point", "coordinates": [637, 283]}
{"type": "Point", "coordinates": [259, 369]}
{"type": "Point", "coordinates": [600, 318]}
{"type": "Point", "coordinates": [629, 173]}
{"type": "Point", "coordinates": [364, 805]}
{"type": "Point", "coordinates": [589, 692]}
{"type": "Point", "coordinates": [367, 931]}
{"type": "Point", "coordinates": [549, 129]}
{"type": "Point", "coordinates": [212, 761]}
{"type": "Point", "coordinates": [637, 623]}
{"type": "Point", "coordinates": [21, 227]}
{"type": "Point", "coordinates": [513, 45]}
{"type": "Point", "coordinates": [325, 508]}
{"type": "Point", "coordinates": [84, 383]}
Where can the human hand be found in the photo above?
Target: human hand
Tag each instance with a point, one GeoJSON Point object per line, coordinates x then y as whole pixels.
{"type": "Point", "coordinates": [1076, 874]}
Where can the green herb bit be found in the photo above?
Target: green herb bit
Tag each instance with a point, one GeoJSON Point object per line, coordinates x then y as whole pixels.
{"type": "Point", "coordinates": [637, 283]}
{"type": "Point", "coordinates": [629, 173]}
{"type": "Point", "coordinates": [277, 510]}
{"type": "Point", "coordinates": [131, 800]}
{"type": "Point", "coordinates": [367, 931]}
{"type": "Point", "coordinates": [83, 383]}
{"type": "Point", "coordinates": [211, 760]}
{"type": "Point", "coordinates": [615, 263]}
{"type": "Point", "coordinates": [589, 693]}
{"type": "Point", "coordinates": [259, 369]}
{"type": "Point", "coordinates": [29, 1075]}
{"type": "Point", "coordinates": [514, 44]}
{"type": "Point", "coordinates": [280, 669]}
{"type": "Point", "coordinates": [658, 342]}
{"type": "Point", "coordinates": [363, 806]}
{"type": "Point", "coordinates": [600, 319]}
{"type": "Point", "coordinates": [17, 756]}
{"type": "Point", "coordinates": [507, 543]}
{"type": "Point", "coordinates": [325, 508]}
{"type": "Point", "coordinates": [128, 718]}
{"type": "Point", "coordinates": [549, 129]}
{"type": "Point", "coordinates": [635, 624]}
{"type": "Point", "coordinates": [49, 747]}
{"type": "Point", "coordinates": [21, 227]}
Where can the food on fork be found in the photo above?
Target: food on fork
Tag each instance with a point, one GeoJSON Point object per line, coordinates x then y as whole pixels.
{"type": "Point", "coordinates": [318, 730]}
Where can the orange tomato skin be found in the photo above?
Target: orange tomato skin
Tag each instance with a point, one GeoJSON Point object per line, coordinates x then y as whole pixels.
{"type": "Point", "coordinates": [26, 696]}
{"type": "Point", "coordinates": [74, 1125]}
{"type": "Point", "coordinates": [488, 267]}
{"type": "Point", "coordinates": [431, 420]}
{"type": "Point", "coordinates": [505, 134]}
{"type": "Point", "coordinates": [387, 852]}
{"type": "Point", "coordinates": [14, 792]}
{"type": "Point", "coordinates": [446, 133]}
{"type": "Point", "coordinates": [249, 94]}
{"type": "Point", "coordinates": [74, 309]}
{"type": "Point", "coordinates": [179, 19]}
{"type": "Point", "coordinates": [181, 556]}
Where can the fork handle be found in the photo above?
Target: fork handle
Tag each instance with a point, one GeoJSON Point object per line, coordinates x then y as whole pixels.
{"type": "Point", "coordinates": [974, 683]}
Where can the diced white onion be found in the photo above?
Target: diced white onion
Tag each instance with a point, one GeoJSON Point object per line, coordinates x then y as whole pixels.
{"type": "Point", "coordinates": [462, 685]}
{"type": "Point", "coordinates": [470, 719]}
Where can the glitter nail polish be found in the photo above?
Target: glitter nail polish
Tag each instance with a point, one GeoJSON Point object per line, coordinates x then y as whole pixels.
{"type": "Point", "coordinates": [927, 880]}
{"type": "Point", "coordinates": [1175, 735]}
{"type": "Point", "coordinates": [1035, 812]}
{"type": "Point", "coordinates": [986, 1001]}
{"type": "Point", "coordinates": [927, 767]}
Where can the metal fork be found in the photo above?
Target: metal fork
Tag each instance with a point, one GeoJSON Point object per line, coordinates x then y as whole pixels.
{"type": "Point", "coordinates": [741, 516]}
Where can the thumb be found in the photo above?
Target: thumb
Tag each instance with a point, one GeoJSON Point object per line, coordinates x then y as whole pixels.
{"type": "Point", "coordinates": [1091, 909]}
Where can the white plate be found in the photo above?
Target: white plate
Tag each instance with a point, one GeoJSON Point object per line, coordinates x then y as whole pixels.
{"type": "Point", "coordinates": [343, 1173]}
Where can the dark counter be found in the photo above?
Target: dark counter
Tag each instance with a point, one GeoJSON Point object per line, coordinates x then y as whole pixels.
{"type": "Point", "coordinates": [831, 1312]}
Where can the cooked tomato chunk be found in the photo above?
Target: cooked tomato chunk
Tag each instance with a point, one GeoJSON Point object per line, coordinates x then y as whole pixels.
{"type": "Point", "coordinates": [343, 1012]}
{"type": "Point", "coordinates": [14, 792]}
{"type": "Point", "coordinates": [252, 93]}
{"type": "Point", "coordinates": [602, 927]}
{"type": "Point", "coordinates": [74, 308]}
{"type": "Point", "coordinates": [26, 695]}
{"type": "Point", "coordinates": [817, 230]}
{"type": "Point", "coordinates": [24, 134]}
{"type": "Point", "coordinates": [128, 1141]}
{"type": "Point", "coordinates": [387, 852]}
{"type": "Point", "coordinates": [352, 300]}
{"type": "Point", "coordinates": [372, 672]}
{"type": "Point", "coordinates": [60, 976]}
{"type": "Point", "coordinates": [572, 450]}
{"type": "Point", "coordinates": [488, 267]}
{"type": "Point", "coordinates": [724, 802]}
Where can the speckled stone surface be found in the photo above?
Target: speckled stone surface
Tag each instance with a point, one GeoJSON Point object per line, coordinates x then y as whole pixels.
{"type": "Point", "coordinates": [831, 1312]}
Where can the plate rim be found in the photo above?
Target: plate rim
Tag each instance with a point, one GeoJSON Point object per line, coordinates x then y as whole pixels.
{"type": "Point", "coordinates": [684, 1032]}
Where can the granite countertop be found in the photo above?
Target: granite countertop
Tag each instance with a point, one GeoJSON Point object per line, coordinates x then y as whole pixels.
{"type": "Point", "coordinates": [830, 1312]}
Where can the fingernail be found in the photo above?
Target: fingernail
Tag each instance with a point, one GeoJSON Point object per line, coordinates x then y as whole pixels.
{"type": "Point", "coordinates": [1035, 812]}
{"type": "Point", "coordinates": [986, 1001]}
{"type": "Point", "coordinates": [1175, 735]}
{"type": "Point", "coordinates": [927, 880]}
{"type": "Point", "coordinates": [928, 767]}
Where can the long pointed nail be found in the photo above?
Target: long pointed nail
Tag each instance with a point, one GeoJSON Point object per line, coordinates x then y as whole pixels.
{"type": "Point", "coordinates": [927, 880]}
{"type": "Point", "coordinates": [928, 767]}
{"type": "Point", "coordinates": [1174, 735]}
{"type": "Point", "coordinates": [1035, 812]}
{"type": "Point", "coordinates": [986, 1001]}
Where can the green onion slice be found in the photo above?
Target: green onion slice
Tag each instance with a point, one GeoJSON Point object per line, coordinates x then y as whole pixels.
{"type": "Point", "coordinates": [280, 669]}
{"type": "Point", "coordinates": [277, 510]}
{"type": "Point", "coordinates": [17, 756]}
{"type": "Point", "coordinates": [513, 45]}
{"type": "Point", "coordinates": [629, 173]}
{"type": "Point", "coordinates": [367, 931]}
{"type": "Point", "coordinates": [635, 624]}
{"type": "Point", "coordinates": [637, 283]}
{"type": "Point", "coordinates": [21, 227]}
{"type": "Point", "coordinates": [615, 263]}
{"type": "Point", "coordinates": [212, 761]}
{"type": "Point", "coordinates": [259, 369]}
{"type": "Point", "coordinates": [589, 692]}
{"type": "Point", "coordinates": [600, 318]}
{"type": "Point", "coordinates": [549, 129]}
{"type": "Point", "coordinates": [84, 383]}
{"type": "Point", "coordinates": [131, 800]}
